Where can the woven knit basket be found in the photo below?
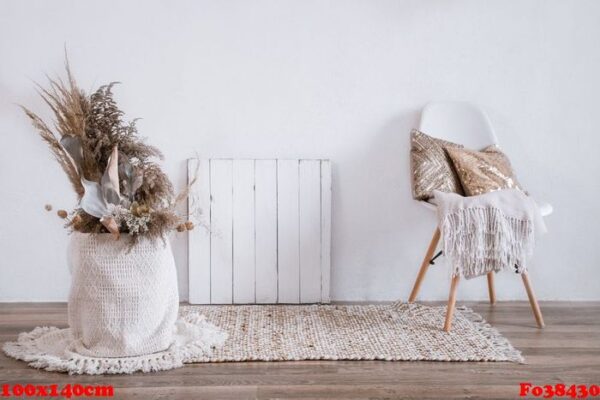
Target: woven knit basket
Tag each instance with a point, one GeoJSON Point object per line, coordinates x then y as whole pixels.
{"type": "Point", "coordinates": [123, 301]}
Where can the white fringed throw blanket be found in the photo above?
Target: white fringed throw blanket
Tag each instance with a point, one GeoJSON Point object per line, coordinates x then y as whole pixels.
{"type": "Point", "coordinates": [490, 232]}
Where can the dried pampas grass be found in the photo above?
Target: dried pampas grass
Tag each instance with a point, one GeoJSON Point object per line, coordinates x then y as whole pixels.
{"type": "Point", "coordinates": [63, 158]}
{"type": "Point", "coordinates": [93, 129]}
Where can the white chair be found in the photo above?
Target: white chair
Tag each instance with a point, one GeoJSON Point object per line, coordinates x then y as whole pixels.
{"type": "Point", "coordinates": [466, 124]}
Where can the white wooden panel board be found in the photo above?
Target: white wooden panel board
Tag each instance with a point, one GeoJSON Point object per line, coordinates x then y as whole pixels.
{"type": "Point", "coordinates": [270, 232]}
{"type": "Point", "coordinates": [309, 187]}
{"type": "Point", "coordinates": [288, 256]}
{"type": "Point", "coordinates": [199, 238]}
{"type": "Point", "coordinates": [243, 232]}
{"type": "Point", "coordinates": [266, 230]}
{"type": "Point", "coordinates": [221, 231]}
{"type": "Point", "coordinates": [325, 231]}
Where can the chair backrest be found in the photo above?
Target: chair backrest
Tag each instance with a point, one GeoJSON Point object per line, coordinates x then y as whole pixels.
{"type": "Point", "coordinates": [458, 122]}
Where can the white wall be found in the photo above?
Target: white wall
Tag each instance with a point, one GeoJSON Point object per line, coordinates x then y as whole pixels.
{"type": "Point", "coordinates": [338, 79]}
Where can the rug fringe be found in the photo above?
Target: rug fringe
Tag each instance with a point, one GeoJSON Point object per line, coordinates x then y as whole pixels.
{"type": "Point", "coordinates": [492, 334]}
{"type": "Point", "coordinates": [28, 348]}
{"type": "Point", "coordinates": [504, 350]}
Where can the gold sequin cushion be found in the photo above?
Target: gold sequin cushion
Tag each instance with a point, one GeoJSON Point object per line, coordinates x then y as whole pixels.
{"type": "Point", "coordinates": [483, 171]}
{"type": "Point", "coordinates": [432, 168]}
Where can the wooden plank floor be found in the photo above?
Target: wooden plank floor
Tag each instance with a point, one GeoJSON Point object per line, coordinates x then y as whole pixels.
{"type": "Point", "coordinates": [567, 351]}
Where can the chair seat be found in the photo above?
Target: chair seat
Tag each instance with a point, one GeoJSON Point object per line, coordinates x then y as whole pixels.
{"type": "Point", "coordinates": [545, 208]}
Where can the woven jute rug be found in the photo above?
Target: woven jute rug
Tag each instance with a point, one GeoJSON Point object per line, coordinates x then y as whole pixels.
{"type": "Point", "coordinates": [391, 332]}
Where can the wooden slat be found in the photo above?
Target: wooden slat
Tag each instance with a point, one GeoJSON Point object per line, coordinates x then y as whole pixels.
{"type": "Point", "coordinates": [325, 231]}
{"type": "Point", "coordinates": [288, 232]}
{"type": "Point", "coordinates": [309, 206]}
{"type": "Point", "coordinates": [266, 230]}
{"type": "Point", "coordinates": [243, 231]}
{"type": "Point", "coordinates": [221, 231]}
{"type": "Point", "coordinates": [199, 238]}
{"type": "Point", "coordinates": [270, 232]}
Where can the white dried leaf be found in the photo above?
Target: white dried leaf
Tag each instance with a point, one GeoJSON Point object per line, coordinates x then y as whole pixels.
{"type": "Point", "coordinates": [92, 201]}
{"type": "Point", "coordinates": [110, 179]}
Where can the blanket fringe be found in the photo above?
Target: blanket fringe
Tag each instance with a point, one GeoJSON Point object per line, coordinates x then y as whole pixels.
{"type": "Point", "coordinates": [481, 240]}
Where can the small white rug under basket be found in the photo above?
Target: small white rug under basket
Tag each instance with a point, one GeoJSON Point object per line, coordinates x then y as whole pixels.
{"type": "Point", "coordinates": [394, 332]}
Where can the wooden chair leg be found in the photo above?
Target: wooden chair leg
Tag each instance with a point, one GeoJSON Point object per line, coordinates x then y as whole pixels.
{"type": "Point", "coordinates": [532, 300]}
{"type": "Point", "coordinates": [451, 304]}
{"type": "Point", "coordinates": [425, 265]}
{"type": "Point", "coordinates": [491, 290]}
